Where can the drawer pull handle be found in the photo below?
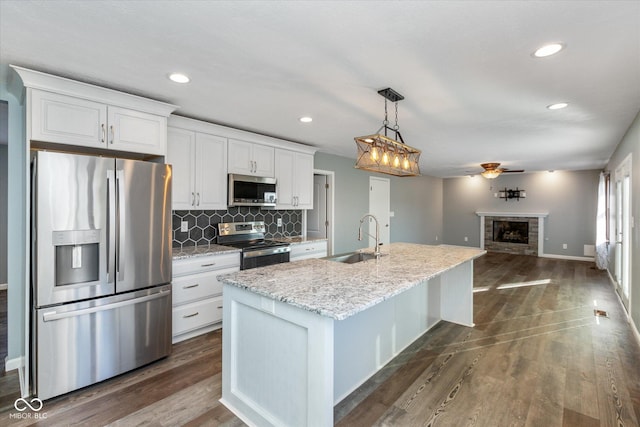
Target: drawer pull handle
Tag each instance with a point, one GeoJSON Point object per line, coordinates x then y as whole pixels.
{"type": "Point", "coordinates": [208, 265]}
{"type": "Point", "coordinates": [190, 315]}
{"type": "Point", "coordinates": [191, 286]}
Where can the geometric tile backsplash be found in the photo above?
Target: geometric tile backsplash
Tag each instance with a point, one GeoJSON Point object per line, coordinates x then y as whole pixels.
{"type": "Point", "coordinates": [203, 225]}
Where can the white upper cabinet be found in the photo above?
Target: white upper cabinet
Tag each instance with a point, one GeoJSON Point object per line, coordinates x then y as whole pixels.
{"type": "Point", "coordinates": [64, 111]}
{"type": "Point", "coordinates": [134, 131]}
{"type": "Point", "coordinates": [69, 120]}
{"type": "Point", "coordinates": [248, 158]}
{"type": "Point", "coordinates": [199, 163]}
{"type": "Point", "coordinates": [181, 155]}
{"type": "Point", "coordinates": [294, 179]}
{"type": "Point", "coordinates": [211, 167]}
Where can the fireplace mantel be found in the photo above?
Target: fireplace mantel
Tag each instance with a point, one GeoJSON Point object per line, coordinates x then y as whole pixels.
{"type": "Point", "coordinates": [515, 214]}
{"type": "Point", "coordinates": [539, 215]}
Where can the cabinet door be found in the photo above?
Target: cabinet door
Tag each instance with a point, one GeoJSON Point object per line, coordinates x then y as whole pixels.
{"type": "Point", "coordinates": [284, 164]}
{"type": "Point", "coordinates": [303, 181]}
{"type": "Point", "coordinates": [240, 157]}
{"type": "Point", "coordinates": [137, 132]}
{"type": "Point", "coordinates": [67, 120]}
{"type": "Point", "coordinates": [211, 172]}
{"type": "Point", "coordinates": [263, 156]}
{"type": "Point", "coordinates": [181, 154]}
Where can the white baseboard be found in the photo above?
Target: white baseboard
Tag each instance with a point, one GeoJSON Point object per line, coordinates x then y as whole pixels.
{"type": "Point", "coordinates": [3, 286]}
{"type": "Point", "coordinates": [569, 257]}
{"type": "Point", "coordinates": [636, 334]}
{"type": "Point", "coordinates": [11, 364]}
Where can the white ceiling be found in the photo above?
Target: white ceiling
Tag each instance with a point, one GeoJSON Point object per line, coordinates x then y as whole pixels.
{"type": "Point", "coordinates": [473, 92]}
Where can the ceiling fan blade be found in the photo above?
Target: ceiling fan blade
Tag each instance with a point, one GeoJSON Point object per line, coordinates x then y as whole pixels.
{"type": "Point", "coordinates": [512, 170]}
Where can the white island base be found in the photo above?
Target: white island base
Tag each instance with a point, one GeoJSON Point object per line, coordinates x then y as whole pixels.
{"type": "Point", "coordinates": [287, 366]}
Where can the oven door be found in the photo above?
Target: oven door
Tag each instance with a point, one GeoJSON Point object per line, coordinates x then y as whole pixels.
{"type": "Point", "coordinates": [260, 258]}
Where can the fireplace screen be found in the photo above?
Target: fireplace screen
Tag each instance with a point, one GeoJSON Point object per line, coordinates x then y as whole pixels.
{"type": "Point", "coordinates": [511, 231]}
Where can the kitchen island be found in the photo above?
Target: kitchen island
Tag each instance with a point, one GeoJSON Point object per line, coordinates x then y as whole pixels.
{"type": "Point", "coordinates": [299, 337]}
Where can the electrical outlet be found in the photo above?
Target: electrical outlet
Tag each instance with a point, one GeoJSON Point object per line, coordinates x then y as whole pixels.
{"type": "Point", "coordinates": [436, 238]}
{"type": "Point", "coordinates": [279, 222]}
{"type": "Point", "coordinates": [466, 239]}
{"type": "Point", "coordinates": [184, 226]}
{"type": "Point", "coordinates": [564, 246]}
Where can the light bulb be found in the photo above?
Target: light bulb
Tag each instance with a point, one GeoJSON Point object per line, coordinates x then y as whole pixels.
{"type": "Point", "coordinates": [385, 158]}
{"type": "Point", "coordinates": [405, 163]}
{"type": "Point", "coordinates": [374, 154]}
{"type": "Point", "coordinates": [396, 161]}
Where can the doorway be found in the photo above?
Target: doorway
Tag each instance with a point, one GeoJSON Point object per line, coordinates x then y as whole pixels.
{"type": "Point", "coordinates": [380, 207]}
{"type": "Point", "coordinates": [623, 232]}
{"type": "Point", "coordinates": [319, 220]}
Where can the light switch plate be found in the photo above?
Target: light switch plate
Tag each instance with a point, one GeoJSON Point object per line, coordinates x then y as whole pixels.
{"type": "Point", "coordinates": [279, 222]}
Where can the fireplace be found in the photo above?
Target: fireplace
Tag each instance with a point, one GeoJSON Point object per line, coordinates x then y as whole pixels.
{"type": "Point", "coordinates": [511, 232]}
{"type": "Point", "coordinates": [534, 232]}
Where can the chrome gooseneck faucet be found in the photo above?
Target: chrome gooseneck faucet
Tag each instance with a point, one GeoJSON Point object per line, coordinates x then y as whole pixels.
{"type": "Point", "coordinates": [376, 251]}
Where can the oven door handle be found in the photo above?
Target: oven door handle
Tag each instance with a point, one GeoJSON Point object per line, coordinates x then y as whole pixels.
{"type": "Point", "coordinates": [264, 252]}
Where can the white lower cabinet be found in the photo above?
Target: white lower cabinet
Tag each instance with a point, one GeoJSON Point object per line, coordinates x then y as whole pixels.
{"type": "Point", "coordinates": [197, 294]}
{"type": "Point", "coordinates": [314, 249]}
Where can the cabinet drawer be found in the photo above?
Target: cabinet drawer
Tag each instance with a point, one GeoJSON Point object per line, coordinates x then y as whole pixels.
{"type": "Point", "coordinates": [308, 250]}
{"type": "Point", "coordinates": [198, 286]}
{"type": "Point", "coordinates": [201, 264]}
{"type": "Point", "coordinates": [196, 315]}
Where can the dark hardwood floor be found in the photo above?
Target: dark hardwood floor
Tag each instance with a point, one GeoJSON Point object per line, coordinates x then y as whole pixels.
{"type": "Point", "coordinates": [538, 356]}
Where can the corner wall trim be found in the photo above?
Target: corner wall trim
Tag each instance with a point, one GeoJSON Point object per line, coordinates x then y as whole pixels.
{"type": "Point", "coordinates": [11, 364]}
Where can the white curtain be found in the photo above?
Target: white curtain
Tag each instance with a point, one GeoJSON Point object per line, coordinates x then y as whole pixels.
{"type": "Point", "coordinates": [602, 249]}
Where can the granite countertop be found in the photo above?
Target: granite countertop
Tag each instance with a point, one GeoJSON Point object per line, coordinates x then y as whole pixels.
{"type": "Point", "coordinates": [298, 240]}
{"type": "Point", "coordinates": [196, 251]}
{"type": "Point", "coordinates": [337, 290]}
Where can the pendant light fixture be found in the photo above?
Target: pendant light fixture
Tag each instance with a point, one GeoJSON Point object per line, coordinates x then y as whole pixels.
{"type": "Point", "coordinates": [380, 153]}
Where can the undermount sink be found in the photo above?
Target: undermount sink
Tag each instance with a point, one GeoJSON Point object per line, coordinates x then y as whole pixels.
{"type": "Point", "coordinates": [351, 257]}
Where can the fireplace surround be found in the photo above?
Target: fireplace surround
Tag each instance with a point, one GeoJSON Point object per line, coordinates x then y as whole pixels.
{"type": "Point", "coordinates": [514, 243]}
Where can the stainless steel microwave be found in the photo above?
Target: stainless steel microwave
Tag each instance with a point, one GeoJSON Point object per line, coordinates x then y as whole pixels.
{"type": "Point", "coordinates": [247, 190]}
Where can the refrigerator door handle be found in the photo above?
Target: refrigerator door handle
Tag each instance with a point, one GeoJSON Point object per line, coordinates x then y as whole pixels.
{"type": "Point", "coordinates": [121, 231]}
{"type": "Point", "coordinates": [53, 315]}
{"type": "Point", "coordinates": [111, 225]}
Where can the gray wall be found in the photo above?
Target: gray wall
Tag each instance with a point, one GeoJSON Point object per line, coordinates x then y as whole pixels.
{"type": "Point", "coordinates": [570, 198]}
{"type": "Point", "coordinates": [630, 145]}
{"type": "Point", "coordinates": [416, 201]}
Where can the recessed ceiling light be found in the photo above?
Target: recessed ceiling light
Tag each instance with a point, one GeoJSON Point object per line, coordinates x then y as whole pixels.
{"type": "Point", "coordinates": [179, 78]}
{"type": "Point", "coordinates": [557, 106]}
{"type": "Point", "coordinates": [306, 119]}
{"type": "Point", "coordinates": [548, 50]}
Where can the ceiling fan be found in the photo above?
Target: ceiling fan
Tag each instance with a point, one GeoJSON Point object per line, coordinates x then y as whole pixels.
{"type": "Point", "coordinates": [493, 170]}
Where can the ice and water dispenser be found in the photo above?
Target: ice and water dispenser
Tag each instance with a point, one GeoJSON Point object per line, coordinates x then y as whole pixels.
{"type": "Point", "coordinates": [77, 256]}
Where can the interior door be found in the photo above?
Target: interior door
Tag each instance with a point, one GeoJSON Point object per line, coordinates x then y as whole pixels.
{"type": "Point", "coordinates": [380, 207]}
{"type": "Point", "coordinates": [317, 217]}
{"type": "Point", "coordinates": [623, 231]}
{"type": "Point", "coordinates": [144, 229]}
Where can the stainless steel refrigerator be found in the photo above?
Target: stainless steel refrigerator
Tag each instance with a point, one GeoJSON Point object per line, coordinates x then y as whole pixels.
{"type": "Point", "coordinates": [101, 268]}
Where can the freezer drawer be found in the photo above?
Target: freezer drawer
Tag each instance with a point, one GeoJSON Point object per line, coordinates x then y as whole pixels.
{"type": "Point", "coordinates": [83, 343]}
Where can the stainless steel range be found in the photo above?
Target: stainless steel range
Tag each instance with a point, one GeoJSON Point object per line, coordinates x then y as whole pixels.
{"type": "Point", "coordinates": [256, 250]}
